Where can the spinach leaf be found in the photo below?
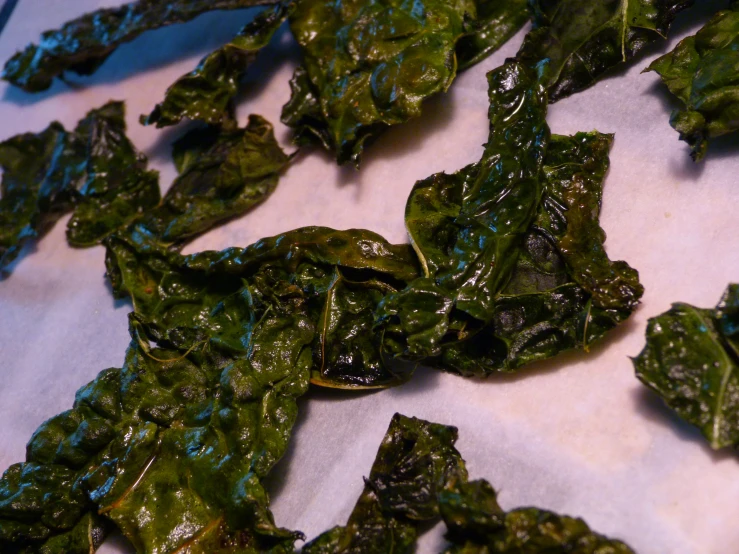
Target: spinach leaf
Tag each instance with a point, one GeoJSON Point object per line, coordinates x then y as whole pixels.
{"type": "Point", "coordinates": [691, 360]}
{"type": "Point", "coordinates": [703, 72]}
{"type": "Point", "coordinates": [515, 269]}
{"type": "Point", "coordinates": [415, 463]}
{"type": "Point", "coordinates": [207, 93]}
{"type": "Point", "coordinates": [584, 39]}
{"type": "Point", "coordinates": [35, 190]}
{"type": "Point", "coordinates": [94, 171]}
{"type": "Point", "coordinates": [115, 187]}
{"type": "Point", "coordinates": [336, 276]}
{"type": "Point", "coordinates": [172, 447]}
{"type": "Point", "coordinates": [476, 524]}
{"type": "Point", "coordinates": [83, 44]}
{"type": "Point", "coordinates": [223, 174]}
{"type": "Point", "coordinates": [497, 21]}
{"type": "Point", "coordinates": [370, 65]}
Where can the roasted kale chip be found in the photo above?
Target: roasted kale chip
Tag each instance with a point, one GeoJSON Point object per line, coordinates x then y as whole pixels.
{"type": "Point", "coordinates": [172, 447]}
{"type": "Point", "coordinates": [477, 525]}
{"type": "Point", "coordinates": [115, 186]}
{"type": "Point", "coordinates": [415, 463]}
{"type": "Point", "coordinates": [207, 93]}
{"type": "Point", "coordinates": [513, 257]}
{"type": "Point", "coordinates": [223, 174]}
{"type": "Point", "coordinates": [94, 170]}
{"type": "Point", "coordinates": [703, 72]}
{"type": "Point", "coordinates": [83, 44]}
{"type": "Point", "coordinates": [691, 360]}
{"type": "Point", "coordinates": [336, 277]}
{"type": "Point", "coordinates": [419, 476]}
{"type": "Point", "coordinates": [370, 65]}
{"type": "Point", "coordinates": [583, 39]}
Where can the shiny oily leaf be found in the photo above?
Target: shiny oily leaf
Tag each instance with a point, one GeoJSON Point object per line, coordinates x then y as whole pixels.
{"type": "Point", "coordinates": [477, 525]}
{"type": "Point", "coordinates": [34, 191]}
{"type": "Point", "coordinates": [691, 359]}
{"type": "Point", "coordinates": [337, 275]}
{"type": "Point", "coordinates": [703, 72]}
{"type": "Point", "coordinates": [535, 258]}
{"type": "Point", "coordinates": [497, 21]}
{"type": "Point", "coordinates": [584, 39]}
{"type": "Point", "coordinates": [117, 187]}
{"type": "Point", "coordinates": [369, 65]}
{"type": "Point", "coordinates": [415, 463]}
{"type": "Point", "coordinates": [83, 44]}
{"type": "Point", "coordinates": [207, 93]}
{"type": "Point", "coordinates": [223, 174]}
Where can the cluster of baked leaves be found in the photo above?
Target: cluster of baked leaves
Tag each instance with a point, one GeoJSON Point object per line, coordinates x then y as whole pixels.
{"type": "Point", "coordinates": [366, 65]}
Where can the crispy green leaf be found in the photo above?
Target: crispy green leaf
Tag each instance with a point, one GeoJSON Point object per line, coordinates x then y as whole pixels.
{"type": "Point", "coordinates": [584, 39]}
{"type": "Point", "coordinates": [116, 188]}
{"type": "Point", "coordinates": [369, 65]}
{"type": "Point", "coordinates": [703, 72]}
{"type": "Point", "coordinates": [691, 360]}
{"type": "Point", "coordinates": [511, 247]}
{"type": "Point", "coordinates": [83, 44]}
{"type": "Point", "coordinates": [94, 170]}
{"type": "Point", "coordinates": [223, 174]}
{"type": "Point", "coordinates": [497, 21]}
{"type": "Point", "coordinates": [477, 525]}
{"type": "Point", "coordinates": [416, 461]}
{"type": "Point", "coordinates": [207, 93]}
{"type": "Point", "coordinates": [339, 276]}
{"type": "Point", "coordinates": [35, 188]}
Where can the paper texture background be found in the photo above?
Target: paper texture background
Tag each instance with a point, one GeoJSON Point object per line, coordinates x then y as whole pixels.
{"type": "Point", "coordinates": [578, 435]}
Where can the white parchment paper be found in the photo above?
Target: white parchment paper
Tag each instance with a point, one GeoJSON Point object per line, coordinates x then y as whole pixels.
{"type": "Point", "coordinates": [578, 434]}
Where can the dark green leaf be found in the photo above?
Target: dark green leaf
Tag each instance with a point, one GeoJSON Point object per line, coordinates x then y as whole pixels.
{"type": "Point", "coordinates": [477, 525]}
{"type": "Point", "coordinates": [369, 65]}
{"type": "Point", "coordinates": [35, 188]}
{"type": "Point", "coordinates": [223, 174]}
{"type": "Point", "coordinates": [83, 44]}
{"type": "Point", "coordinates": [415, 463]}
{"type": "Point", "coordinates": [338, 276]}
{"type": "Point", "coordinates": [703, 72]}
{"type": "Point", "coordinates": [583, 39]}
{"type": "Point", "coordinates": [116, 188]}
{"type": "Point", "coordinates": [207, 93]}
{"type": "Point", "coordinates": [691, 360]}
{"type": "Point", "coordinates": [497, 21]}
{"type": "Point", "coordinates": [511, 247]}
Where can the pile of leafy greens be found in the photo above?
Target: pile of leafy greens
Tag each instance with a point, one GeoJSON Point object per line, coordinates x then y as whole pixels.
{"type": "Point", "coordinates": [97, 173]}
{"type": "Point", "coordinates": [703, 72]}
{"type": "Point", "coordinates": [691, 360]}
{"type": "Point", "coordinates": [419, 477]}
{"type": "Point", "coordinates": [512, 253]}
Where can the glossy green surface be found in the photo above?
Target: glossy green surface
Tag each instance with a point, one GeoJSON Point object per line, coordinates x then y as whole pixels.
{"type": "Point", "coordinates": [83, 44]}
{"type": "Point", "coordinates": [416, 461]}
{"type": "Point", "coordinates": [116, 187]}
{"type": "Point", "coordinates": [584, 39]}
{"type": "Point", "coordinates": [223, 174]}
{"type": "Point", "coordinates": [477, 525]}
{"type": "Point", "coordinates": [515, 269]}
{"type": "Point", "coordinates": [207, 93]}
{"type": "Point", "coordinates": [691, 360]}
{"type": "Point", "coordinates": [94, 171]}
{"type": "Point", "coordinates": [703, 72]}
{"type": "Point", "coordinates": [370, 65]}
{"type": "Point", "coordinates": [497, 21]}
